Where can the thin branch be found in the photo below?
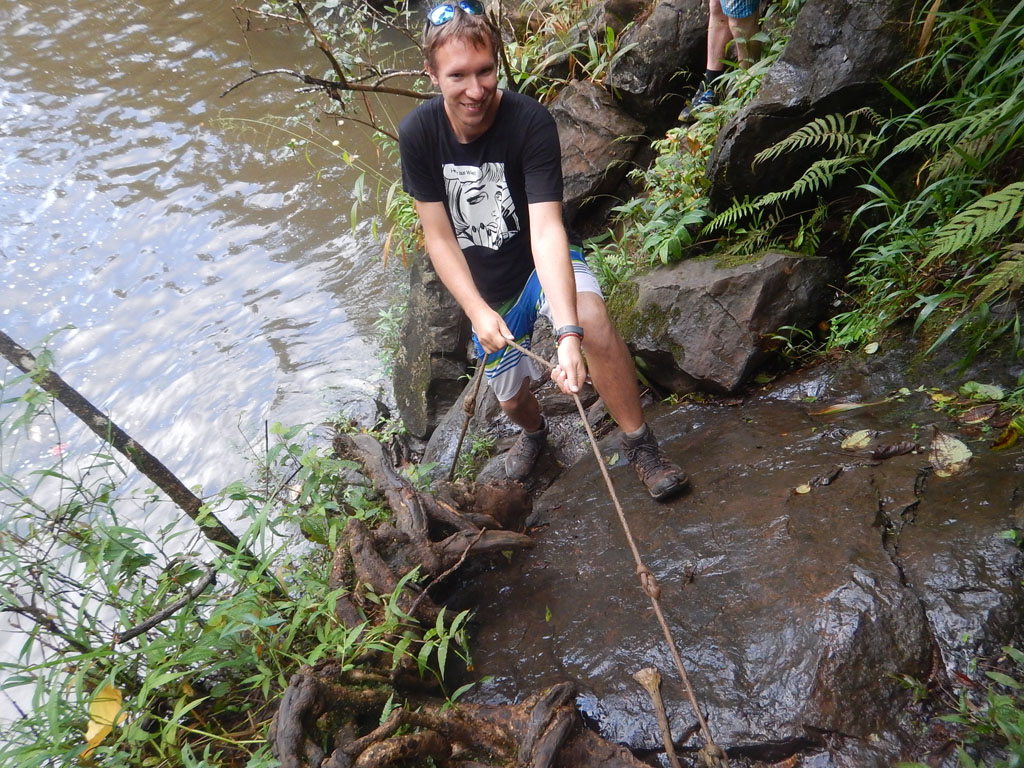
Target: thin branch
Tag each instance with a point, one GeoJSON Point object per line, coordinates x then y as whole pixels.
{"type": "Point", "coordinates": [360, 121]}
{"type": "Point", "coordinates": [47, 622]}
{"type": "Point", "coordinates": [331, 87]}
{"type": "Point", "coordinates": [322, 45]}
{"type": "Point", "coordinates": [111, 433]}
{"type": "Point", "coordinates": [197, 589]}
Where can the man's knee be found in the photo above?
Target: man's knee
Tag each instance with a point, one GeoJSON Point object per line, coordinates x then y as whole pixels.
{"type": "Point", "coordinates": [599, 333]}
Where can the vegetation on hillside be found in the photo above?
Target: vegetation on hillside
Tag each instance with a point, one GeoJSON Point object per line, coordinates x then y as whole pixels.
{"type": "Point", "coordinates": [145, 647]}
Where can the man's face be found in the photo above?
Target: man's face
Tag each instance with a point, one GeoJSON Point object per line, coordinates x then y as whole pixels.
{"type": "Point", "coordinates": [468, 78]}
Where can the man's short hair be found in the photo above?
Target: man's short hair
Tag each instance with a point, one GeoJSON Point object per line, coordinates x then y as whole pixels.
{"type": "Point", "coordinates": [476, 29]}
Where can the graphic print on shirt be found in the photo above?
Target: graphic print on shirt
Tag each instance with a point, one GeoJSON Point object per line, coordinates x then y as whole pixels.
{"type": "Point", "coordinates": [481, 207]}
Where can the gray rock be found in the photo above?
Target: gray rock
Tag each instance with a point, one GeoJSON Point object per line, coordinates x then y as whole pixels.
{"type": "Point", "coordinates": [800, 614]}
{"type": "Point", "coordinates": [598, 139]}
{"type": "Point", "coordinates": [837, 55]}
{"type": "Point", "coordinates": [701, 325]}
{"type": "Point", "coordinates": [431, 363]}
{"type": "Point", "coordinates": [666, 60]}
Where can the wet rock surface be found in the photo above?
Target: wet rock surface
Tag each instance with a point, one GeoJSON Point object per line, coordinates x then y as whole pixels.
{"type": "Point", "coordinates": [798, 614]}
{"type": "Point", "coordinates": [704, 325]}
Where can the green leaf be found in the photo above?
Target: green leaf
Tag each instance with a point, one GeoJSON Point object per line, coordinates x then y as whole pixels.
{"type": "Point", "coordinates": [978, 391]}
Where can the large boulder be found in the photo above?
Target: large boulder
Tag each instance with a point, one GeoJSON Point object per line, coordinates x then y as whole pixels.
{"type": "Point", "coordinates": [431, 364]}
{"type": "Point", "coordinates": [669, 48]}
{"type": "Point", "coordinates": [701, 325]}
{"type": "Point", "coordinates": [807, 585]}
{"type": "Point", "coordinates": [597, 138]}
{"type": "Point", "coordinates": [837, 56]}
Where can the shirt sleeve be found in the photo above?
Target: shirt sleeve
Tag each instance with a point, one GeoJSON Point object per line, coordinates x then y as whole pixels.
{"type": "Point", "coordinates": [542, 158]}
{"type": "Point", "coordinates": [419, 175]}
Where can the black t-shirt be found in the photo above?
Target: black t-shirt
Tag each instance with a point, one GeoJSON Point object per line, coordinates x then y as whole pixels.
{"type": "Point", "coordinates": [486, 185]}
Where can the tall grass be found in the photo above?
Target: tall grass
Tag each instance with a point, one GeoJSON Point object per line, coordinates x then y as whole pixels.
{"type": "Point", "coordinates": [142, 645]}
{"type": "Point", "coordinates": [939, 237]}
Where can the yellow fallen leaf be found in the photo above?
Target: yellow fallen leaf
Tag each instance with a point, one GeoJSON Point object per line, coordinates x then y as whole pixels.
{"type": "Point", "coordinates": [858, 440]}
{"type": "Point", "coordinates": [871, 348]}
{"type": "Point", "coordinates": [805, 488]}
{"type": "Point", "coordinates": [104, 713]}
{"type": "Point", "coordinates": [948, 455]}
{"type": "Point", "coordinates": [843, 407]}
{"type": "Point", "coordinates": [1007, 439]}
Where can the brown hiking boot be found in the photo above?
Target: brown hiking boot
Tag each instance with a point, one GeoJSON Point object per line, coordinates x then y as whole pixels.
{"type": "Point", "coordinates": [522, 456]}
{"type": "Point", "coordinates": [662, 477]}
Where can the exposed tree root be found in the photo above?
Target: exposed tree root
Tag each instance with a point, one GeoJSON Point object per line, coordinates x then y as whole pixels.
{"type": "Point", "coordinates": [330, 717]}
{"type": "Point", "coordinates": [541, 732]}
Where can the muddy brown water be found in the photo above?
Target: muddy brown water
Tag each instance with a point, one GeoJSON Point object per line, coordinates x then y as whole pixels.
{"type": "Point", "coordinates": [210, 274]}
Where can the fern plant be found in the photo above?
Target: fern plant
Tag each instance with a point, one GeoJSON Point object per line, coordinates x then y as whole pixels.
{"type": "Point", "coordinates": [939, 241]}
{"type": "Point", "coordinates": [853, 139]}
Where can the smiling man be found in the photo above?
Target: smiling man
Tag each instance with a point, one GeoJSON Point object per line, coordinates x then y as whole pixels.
{"type": "Point", "coordinates": [485, 169]}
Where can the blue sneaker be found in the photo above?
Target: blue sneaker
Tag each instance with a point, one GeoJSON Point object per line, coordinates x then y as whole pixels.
{"type": "Point", "coordinates": [703, 100]}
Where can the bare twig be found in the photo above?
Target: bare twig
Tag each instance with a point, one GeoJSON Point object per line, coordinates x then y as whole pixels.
{"type": "Point", "coordinates": [111, 433]}
{"type": "Point", "coordinates": [195, 591]}
{"type": "Point", "coordinates": [330, 86]}
{"type": "Point", "coordinates": [650, 679]}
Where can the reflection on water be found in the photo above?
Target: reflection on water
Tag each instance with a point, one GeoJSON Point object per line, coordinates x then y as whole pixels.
{"type": "Point", "coordinates": [212, 279]}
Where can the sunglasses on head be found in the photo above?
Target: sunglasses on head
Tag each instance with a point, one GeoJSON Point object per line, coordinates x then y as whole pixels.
{"type": "Point", "coordinates": [442, 14]}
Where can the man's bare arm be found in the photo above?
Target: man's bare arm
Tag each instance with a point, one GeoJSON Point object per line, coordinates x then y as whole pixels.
{"type": "Point", "coordinates": [450, 264]}
{"type": "Point", "coordinates": [554, 269]}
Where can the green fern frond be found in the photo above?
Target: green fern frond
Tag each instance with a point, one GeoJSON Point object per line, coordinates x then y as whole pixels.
{"type": "Point", "coordinates": [1006, 277]}
{"type": "Point", "coordinates": [979, 222]}
{"type": "Point", "coordinates": [835, 132]}
{"type": "Point", "coordinates": [956, 159]}
{"type": "Point", "coordinates": [731, 215]}
{"type": "Point", "coordinates": [961, 129]}
{"type": "Point", "coordinates": [822, 174]}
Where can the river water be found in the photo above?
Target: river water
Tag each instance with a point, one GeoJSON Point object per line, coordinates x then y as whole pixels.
{"type": "Point", "coordinates": [210, 275]}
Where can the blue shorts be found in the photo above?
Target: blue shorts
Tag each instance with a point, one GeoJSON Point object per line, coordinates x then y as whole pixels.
{"type": "Point", "coordinates": [740, 9]}
{"type": "Point", "coordinates": [506, 368]}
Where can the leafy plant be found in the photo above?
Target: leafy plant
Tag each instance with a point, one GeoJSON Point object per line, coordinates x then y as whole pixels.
{"type": "Point", "coordinates": [388, 326]}
{"type": "Point", "coordinates": [666, 222]}
{"type": "Point", "coordinates": [990, 718]}
{"type": "Point", "coordinates": [473, 455]}
{"type": "Point", "coordinates": [145, 645]}
{"type": "Point", "coordinates": [939, 241]}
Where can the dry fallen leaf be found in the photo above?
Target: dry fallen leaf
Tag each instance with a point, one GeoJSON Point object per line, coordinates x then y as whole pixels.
{"type": "Point", "coordinates": [979, 413]}
{"type": "Point", "coordinates": [948, 455]}
{"type": "Point", "coordinates": [894, 449]}
{"type": "Point", "coordinates": [843, 407]}
{"type": "Point", "coordinates": [104, 713]}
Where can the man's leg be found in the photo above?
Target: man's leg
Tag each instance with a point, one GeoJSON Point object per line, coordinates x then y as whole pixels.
{"type": "Point", "coordinates": [743, 18]}
{"type": "Point", "coordinates": [610, 365]}
{"type": "Point", "coordinates": [611, 370]}
{"type": "Point", "coordinates": [748, 50]}
{"type": "Point", "coordinates": [523, 409]}
{"type": "Point", "coordinates": [719, 34]}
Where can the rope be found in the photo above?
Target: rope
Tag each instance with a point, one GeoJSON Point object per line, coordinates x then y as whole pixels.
{"type": "Point", "coordinates": [469, 408]}
{"type": "Point", "coordinates": [712, 753]}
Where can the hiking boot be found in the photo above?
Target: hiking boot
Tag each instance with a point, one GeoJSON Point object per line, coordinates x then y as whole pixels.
{"type": "Point", "coordinates": [662, 477]}
{"type": "Point", "coordinates": [703, 100]}
{"type": "Point", "coordinates": [522, 456]}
